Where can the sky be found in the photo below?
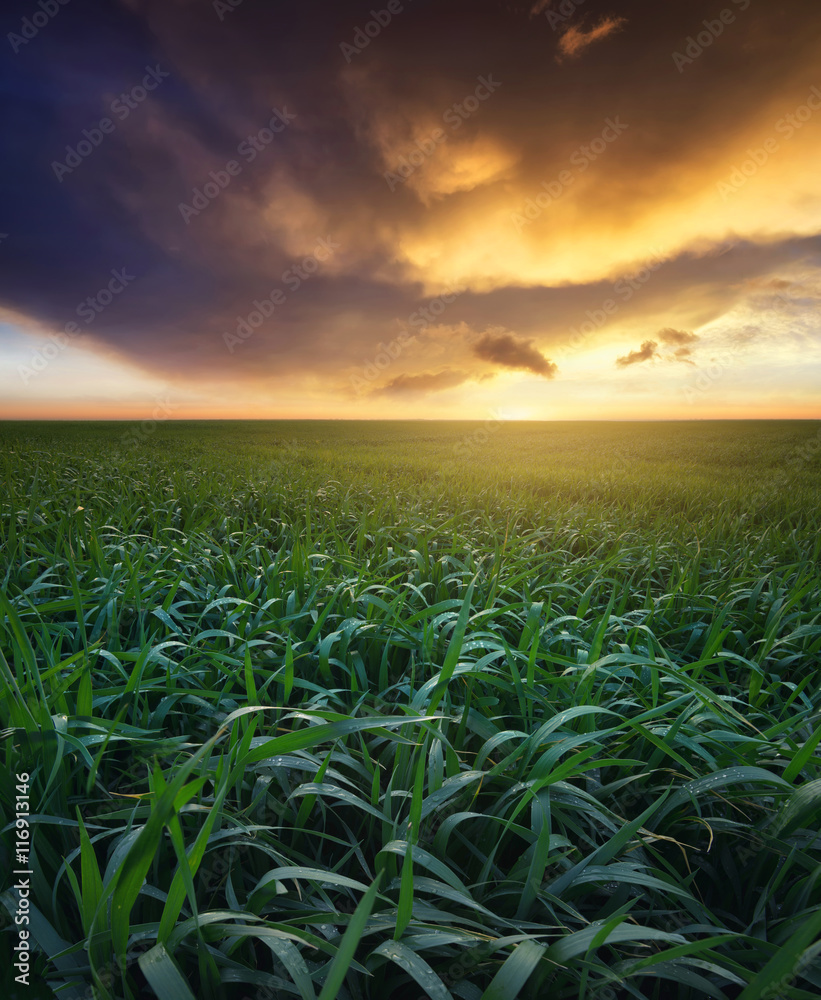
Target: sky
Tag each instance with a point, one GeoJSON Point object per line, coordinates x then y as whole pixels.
{"type": "Point", "coordinates": [435, 209]}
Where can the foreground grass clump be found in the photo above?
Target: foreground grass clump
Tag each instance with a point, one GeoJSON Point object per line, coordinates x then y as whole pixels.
{"type": "Point", "coordinates": [409, 710]}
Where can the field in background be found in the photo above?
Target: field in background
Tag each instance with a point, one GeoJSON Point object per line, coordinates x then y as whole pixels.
{"type": "Point", "coordinates": [410, 710]}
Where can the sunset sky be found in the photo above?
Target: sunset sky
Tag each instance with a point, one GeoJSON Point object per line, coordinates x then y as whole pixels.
{"type": "Point", "coordinates": [453, 209]}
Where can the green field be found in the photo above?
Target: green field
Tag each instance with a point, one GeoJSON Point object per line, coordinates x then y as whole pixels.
{"type": "Point", "coordinates": [414, 710]}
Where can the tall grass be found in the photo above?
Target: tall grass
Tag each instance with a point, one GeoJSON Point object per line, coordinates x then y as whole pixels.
{"type": "Point", "coordinates": [399, 711]}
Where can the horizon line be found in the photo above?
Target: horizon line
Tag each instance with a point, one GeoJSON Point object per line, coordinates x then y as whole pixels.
{"type": "Point", "coordinates": [403, 420]}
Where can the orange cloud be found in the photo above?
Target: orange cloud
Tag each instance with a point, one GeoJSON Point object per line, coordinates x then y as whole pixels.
{"type": "Point", "coordinates": [575, 40]}
{"type": "Point", "coordinates": [678, 338]}
{"type": "Point", "coordinates": [648, 351]}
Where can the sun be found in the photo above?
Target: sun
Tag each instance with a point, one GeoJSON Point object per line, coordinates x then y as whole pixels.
{"type": "Point", "coordinates": [515, 413]}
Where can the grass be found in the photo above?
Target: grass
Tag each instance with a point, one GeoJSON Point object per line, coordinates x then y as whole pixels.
{"type": "Point", "coordinates": [332, 710]}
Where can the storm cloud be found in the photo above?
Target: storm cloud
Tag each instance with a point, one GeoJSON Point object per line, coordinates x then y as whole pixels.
{"type": "Point", "coordinates": [216, 155]}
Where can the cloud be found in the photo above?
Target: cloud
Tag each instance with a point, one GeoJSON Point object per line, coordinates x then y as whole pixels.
{"type": "Point", "coordinates": [575, 40]}
{"type": "Point", "coordinates": [648, 351]}
{"type": "Point", "coordinates": [496, 346]}
{"type": "Point", "coordinates": [425, 382]}
{"type": "Point", "coordinates": [402, 251]}
{"type": "Point", "coordinates": [510, 351]}
{"type": "Point", "coordinates": [678, 338]}
{"type": "Point", "coordinates": [682, 340]}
